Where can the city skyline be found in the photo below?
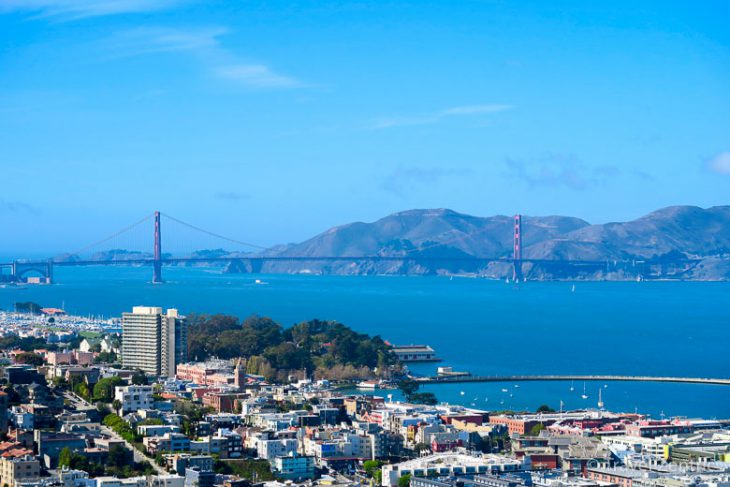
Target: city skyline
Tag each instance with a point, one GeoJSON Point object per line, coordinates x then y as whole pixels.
{"type": "Point", "coordinates": [273, 122]}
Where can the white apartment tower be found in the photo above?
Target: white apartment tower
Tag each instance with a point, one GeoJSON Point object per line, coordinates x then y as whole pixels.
{"type": "Point", "coordinates": [152, 341]}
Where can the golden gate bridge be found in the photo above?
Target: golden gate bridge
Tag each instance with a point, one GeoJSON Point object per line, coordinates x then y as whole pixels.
{"type": "Point", "coordinates": [20, 269]}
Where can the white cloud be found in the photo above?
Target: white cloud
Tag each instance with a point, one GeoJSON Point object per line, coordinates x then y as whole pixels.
{"type": "Point", "coordinates": [720, 164]}
{"type": "Point", "coordinates": [256, 75]}
{"type": "Point", "coordinates": [203, 43]}
{"type": "Point", "coordinates": [435, 117]}
{"type": "Point", "coordinates": [78, 9]}
{"type": "Point", "coordinates": [146, 40]}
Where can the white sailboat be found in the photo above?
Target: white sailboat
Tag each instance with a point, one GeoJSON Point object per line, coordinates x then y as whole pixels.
{"type": "Point", "coordinates": [600, 399]}
{"type": "Point", "coordinates": [584, 395]}
{"type": "Point", "coordinates": [572, 388]}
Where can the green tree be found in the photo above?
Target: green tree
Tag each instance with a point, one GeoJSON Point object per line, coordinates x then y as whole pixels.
{"type": "Point", "coordinates": [139, 378]}
{"type": "Point", "coordinates": [104, 389]}
{"type": "Point", "coordinates": [378, 477]}
{"type": "Point", "coordinates": [535, 430]}
{"type": "Point", "coordinates": [408, 387]}
{"type": "Point", "coordinates": [545, 409]}
{"type": "Point", "coordinates": [28, 307]}
{"type": "Point", "coordinates": [371, 466]}
{"type": "Point", "coordinates": [29, 358]}
{"type": "Point", "coordinates": [405, 480]}
{"type": "Point", "coordinates": [428, 398]}
{"type": "Point", "coordinates": [65, 457]}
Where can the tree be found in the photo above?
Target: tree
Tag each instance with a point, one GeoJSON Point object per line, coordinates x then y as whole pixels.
{"type": "Point", "coordinates": [118, 456]}
{"type": "Point", "coordinates": [29, 358]}
{"type": "Point", "coordinates": [405, 481]}
{"type": "Point", "coordinates": [378, 476]}
{"type": "Point", "coordinates": [117, 405]}
{"type": "Point", "coordinates": [65, 457]}
{"type": "Point", "coordinates": [535, 430]}
{"type": "Point", "coordinates": [139, 378]}
{"type": "Point", "coordinates": [428, 398]}
{"type": "Point", "coordinates": [28, 307]}
{"type": "Point", "coordinates": [545, 409]}
{"type": "Point", "coordinates": [104, 389]}
{"type": "Point", "coordinates": [371, 466]}
{"type": "Point", "coordinates": [408, 387]}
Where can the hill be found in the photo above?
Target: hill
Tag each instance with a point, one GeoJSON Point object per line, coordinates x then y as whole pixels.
{"type": "Point", "coordinates": [680, 242]}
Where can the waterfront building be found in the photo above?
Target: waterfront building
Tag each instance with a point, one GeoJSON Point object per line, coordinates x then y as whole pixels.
{"type": "Point", "coordinates": [152, 341]}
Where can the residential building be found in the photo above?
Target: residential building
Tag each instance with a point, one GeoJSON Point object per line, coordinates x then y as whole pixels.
{"type": "Point", "coordinates": [294, 467]}
{"type": "Point", "coordinates": [21, 469]}
{"type": "Point", "coordinates": [152, 341]}
{"type": "Point", "coordinates": [134, 398]}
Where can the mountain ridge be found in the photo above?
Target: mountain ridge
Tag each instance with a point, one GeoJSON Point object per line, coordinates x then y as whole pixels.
{"type": "Point", "coordinates": [672, 235]}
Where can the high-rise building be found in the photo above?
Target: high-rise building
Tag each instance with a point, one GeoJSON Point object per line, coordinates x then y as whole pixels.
{"type": "Point", "coordinates": [152, 341]}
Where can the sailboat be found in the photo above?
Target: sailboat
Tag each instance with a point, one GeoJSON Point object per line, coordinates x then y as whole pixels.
{"type": "Point", "coordinates": [600, 399]}
{"type": "Point", "coordinates": [572, 289]}
{"type": "Point", "coordinates": [584, 395]}
{"type": "Point", "coordinates": [572, 388]}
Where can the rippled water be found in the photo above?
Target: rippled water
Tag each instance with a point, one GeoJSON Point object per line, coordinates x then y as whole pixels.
{"type": "Point", "coordinates": [485, 327]}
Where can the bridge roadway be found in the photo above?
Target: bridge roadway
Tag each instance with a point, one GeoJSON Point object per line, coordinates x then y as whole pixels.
{"type": "Point", "coordinates": [260, 258]}
{"type": "Point", "coordinates": [601, 378]}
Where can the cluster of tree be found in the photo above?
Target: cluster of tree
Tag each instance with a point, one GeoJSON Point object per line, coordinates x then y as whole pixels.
{"type": "Point", "coordinates": [104, 389]}
{"type": "Point", "coordinates": [326, 348]}
{"type": "Point", "coordinates": [373, 470]}
{"type": "Point", "coordinates": [120, 463]}
{"type": "Point", "coordinates": [251, 469]}
{"type": "Point", "coordinates": [29, 358]}
{"type": "Point", "coordinates": [105, 358]}
{"type": "Point", "coordinates": [12, 342]}
{"type": "Point", "coordinates": [409, 388]}
{"type": "Point", "coordinates": [28, 307]}
{"type": "Point", "coordinates": [120, 427]}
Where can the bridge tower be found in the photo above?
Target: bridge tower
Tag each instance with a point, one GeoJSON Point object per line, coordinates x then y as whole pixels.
{"type": "Point", "coordinates": [157, 262]}
{"type": "Point", "coordinates": [517, 250]}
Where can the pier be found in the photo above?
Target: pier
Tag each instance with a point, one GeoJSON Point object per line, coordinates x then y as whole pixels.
{"type": "Point", "coordinates": [586, 378]}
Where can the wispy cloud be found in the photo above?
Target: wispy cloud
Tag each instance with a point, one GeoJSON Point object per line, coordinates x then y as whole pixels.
{"type": "Point", "coordinates": [404, 178]}
{"type": "Point", "coordinates": [206, 46]}
{"type": "Point", "coordinates": [232, 196]}
{"type": "Point", "coordinates": [79, 9]}
{"type": "Point", "coordinates": [16, 207]}
{"type": "Point", "coordinates": [256, 75]}
{"type": "Point", "coordinates": [720, 164]}
{"type": "Point", "coordinates": [560, 170]}
{"type": "Point", "coordinates": [435, 117]}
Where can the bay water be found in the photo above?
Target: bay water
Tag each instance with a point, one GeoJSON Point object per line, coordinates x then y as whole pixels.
{"type": "Point", "coordinates": [481, 326]}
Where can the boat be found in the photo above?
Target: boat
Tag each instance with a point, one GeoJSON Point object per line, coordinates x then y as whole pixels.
{"type": "Point", "coordinates": [600, 399]}
{"type": "Point", "coordinates": [462, 393]}
{"type": "Point", "coordinates": [584, 395]}
{"type": "Point", "coordinates": [517, 386]}
{"type": "Point", "coordinates": [572, 388]}
{"type": "Point", "coordinates": [572, 289]}
{"type": "Point", "coordinates": [505, 390]}
{"type": "Point", "coordinates": [368, 384]}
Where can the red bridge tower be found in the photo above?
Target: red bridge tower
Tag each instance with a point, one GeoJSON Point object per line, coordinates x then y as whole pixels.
{"type": "Point", "coordinates": [517, 250]}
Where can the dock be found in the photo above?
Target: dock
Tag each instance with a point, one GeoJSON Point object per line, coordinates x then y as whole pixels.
{"type": "Point", "coordinates": [586, 378]}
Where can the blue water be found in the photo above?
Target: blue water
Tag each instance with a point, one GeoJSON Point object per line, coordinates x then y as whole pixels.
{"type": "Point", "coordinates": [485, 327]}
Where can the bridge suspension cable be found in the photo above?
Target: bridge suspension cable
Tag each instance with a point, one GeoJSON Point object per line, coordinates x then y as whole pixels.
{"type": "Point", "coordinates": [213, 234]}
{"type": "Point", "coordinates": [112, 236]}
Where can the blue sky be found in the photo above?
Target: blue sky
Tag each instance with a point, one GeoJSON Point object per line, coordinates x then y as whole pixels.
{"type": "Point", "coordinates": [272, 121]}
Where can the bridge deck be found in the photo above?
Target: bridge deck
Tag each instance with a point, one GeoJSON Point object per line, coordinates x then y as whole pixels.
{"type": "Point", "coordinates": [602, 378]}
